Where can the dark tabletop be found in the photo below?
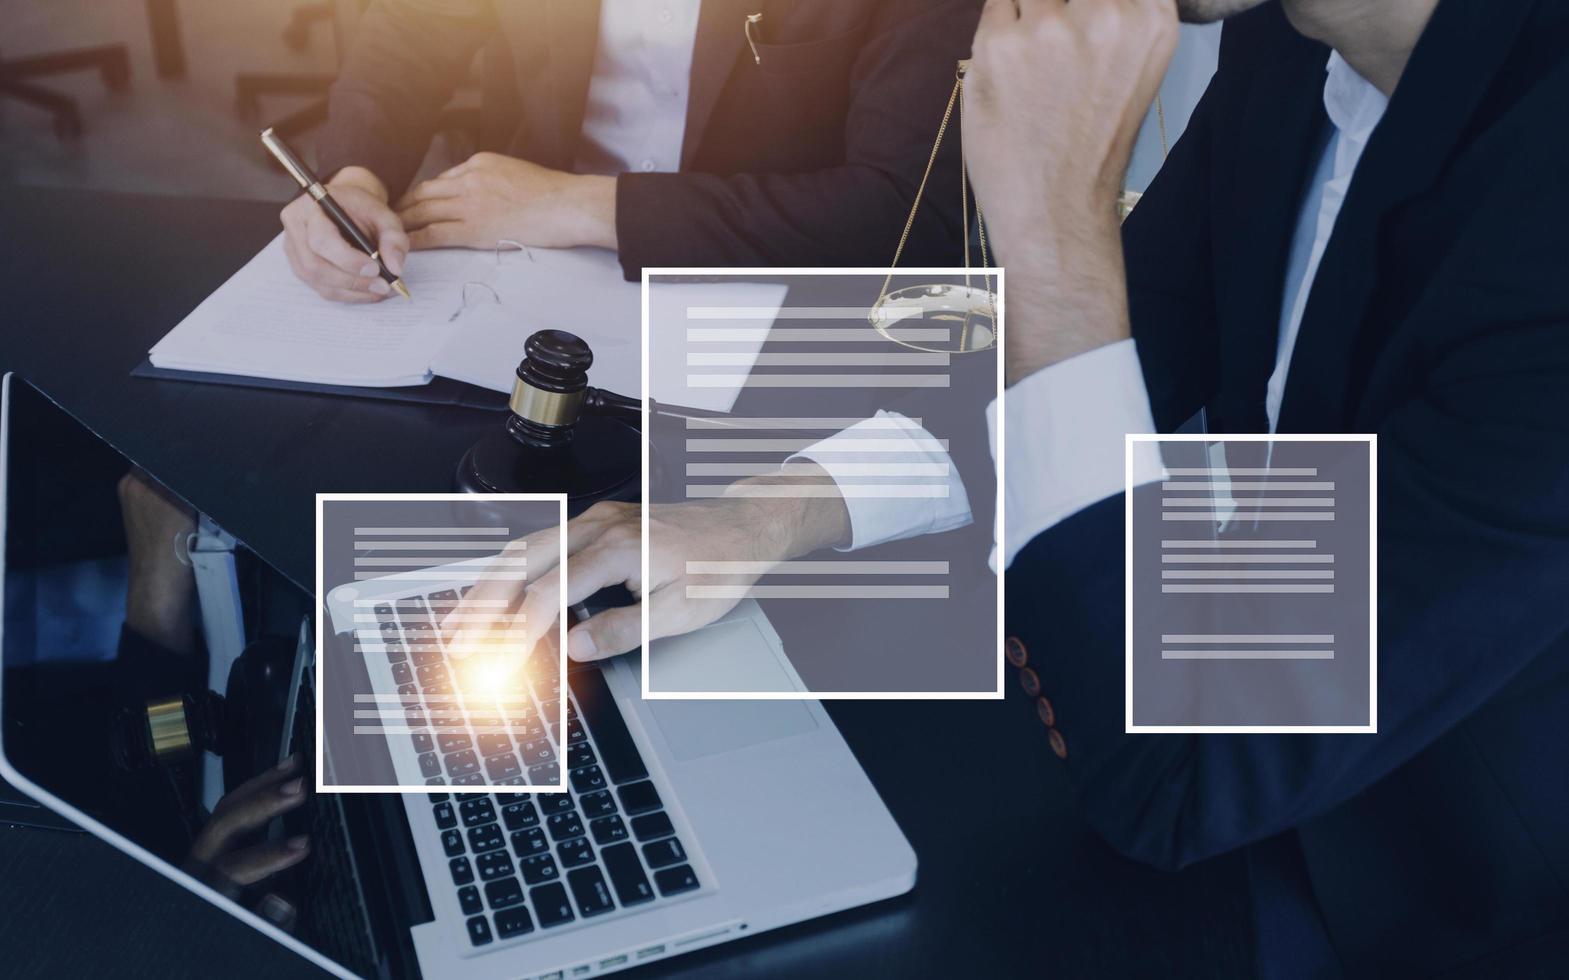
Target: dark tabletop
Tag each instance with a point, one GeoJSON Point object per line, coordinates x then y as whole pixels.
{"type": "Point", "coordinates": [1011, 882]}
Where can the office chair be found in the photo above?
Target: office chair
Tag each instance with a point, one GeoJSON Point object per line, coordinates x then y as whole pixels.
{"type": "Point", "coordinates": [249, 87]}
{"type": "Point", "coordinates": [343, 16]}
{"type": "Point", "coordinates": [16, 76]}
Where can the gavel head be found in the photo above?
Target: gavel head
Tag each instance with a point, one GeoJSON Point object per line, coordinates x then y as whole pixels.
{"type": "Point", "coordinates": [547, 397]}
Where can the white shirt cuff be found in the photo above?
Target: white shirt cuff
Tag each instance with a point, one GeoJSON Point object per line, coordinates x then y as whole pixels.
{"type": "Point", "coordinates": [897, 481]}
{"type": "Point", "coordinates": [1064, 431]}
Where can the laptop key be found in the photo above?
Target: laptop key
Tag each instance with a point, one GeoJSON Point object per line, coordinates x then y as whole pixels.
{"type": "Point", "coordinates": [472, 779]}
{"type": "Point", "coordinates": [401, 674]}
{"type": "Point", "coordinates": [429, 765]}
{"type": "Point", "coordinates": [527, 842]}
{"type": "Point", "coordinates": [396, 655]}
{"type": "Point", "coordinates": [452, 842]}
{"type": "Point", "coordinates": [503, 893]}
{"type": "Point", "coordinates": [540, 867]}
{"type": "Point", "coordinates": [652, 825]}
{"type": "Point", "coordinates": [462, 763]}
{"type": "Point", "coordinates": [546, 775]}
{"type": "Point", "coordinates": [384, 613]}
{"type": "Point", "coordinates": [451, 742]}
{"type": "Point", "coordinates": [639, 798]}
{"type": "Point", "coordinates": [468, 898]}
{"type": "Point", "coordinates": [674, 881]}
{"type": "Point", "coordinates": [663, 853]}
{"type": "Point", "coordinates": [575, 732]}
{"type": "Point", "coordinates": [519, 815]}
{"type": "Point", "coordinates": [617, 752]}
{"type": "Point", "coordinates": [554, 803]}
{"type": "Point", "coordinates": [588, 779]}
{"type": "Point", "coordinates": [496, 864]}
{"type": "Point", "coordinates": [513, 922]}
{"type": "Point", "coordinates": [626, 874]}
{"type": "Point", "coordinates": [580, 755]}
{"type": "Point", "coordinates": [591, 892]}
{"type": "Point", "coordinates": [499, 767]}
{"type": "Point", "coordinates": [462, 871]}
{"type": "Point", "coordinates": [432, 674]}
{"type": "Point", "coordinates": [597, 804]}
{"type": "Point", "coordinates": [551, 904]}
{"type": "Point", "coordinates": [476, 812]}
{"type": "Point", "coordinates": [479, 930]}
{"type": "Point", "coordinates": [423, 742]}
{"type": "Point", "coordinates": [494, 744]}
{"type": "Point", "coordinates": [536, 752]}
{"type": "Point", "coordinates": [445, 818]}
{"type": "Point", "coordinates": [435, 781]}
{"type": "Point", "coordinates": [608, 830]}
{"type": "Point", "coordinates": [574, 852]}
{"type": "Point", "coordinates": [408, 693]}
{"type": "Point", "coordinates": [486, 838]}
{"type": "Point", "coordinates": [564, 825]}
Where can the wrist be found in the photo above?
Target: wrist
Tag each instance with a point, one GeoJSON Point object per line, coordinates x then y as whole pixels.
{"type": "Point", "coordinates": [361, 178]}
{"type": "Point", "coordinates": [1067, 293]}
{"type": "Point", "coordinates": [593, 200]}
{"type": "Point", "coordinates": [786, 524]}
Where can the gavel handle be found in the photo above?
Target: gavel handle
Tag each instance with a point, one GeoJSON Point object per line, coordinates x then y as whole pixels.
{"type": "Point", "coordinates": [598, 401]}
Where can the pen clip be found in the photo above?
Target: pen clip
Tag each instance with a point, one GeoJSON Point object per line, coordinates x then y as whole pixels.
{"type": "Point", "coordinates": [751, 41]}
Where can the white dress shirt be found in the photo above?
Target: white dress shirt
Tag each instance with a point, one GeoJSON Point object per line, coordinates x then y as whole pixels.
{"type": "Point", "coordinates": [1066, 422]}
{"type": "Point", "coordinates": [635, 116]}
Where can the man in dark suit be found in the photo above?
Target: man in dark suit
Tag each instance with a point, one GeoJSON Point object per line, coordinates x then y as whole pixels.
{"type": "Point", "coordinates": [1363, 230]}
{"type": "Point", "coordinates": [690, 132]}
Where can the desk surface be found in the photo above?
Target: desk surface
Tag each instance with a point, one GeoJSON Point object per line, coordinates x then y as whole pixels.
{"type": "Point", "coordinates": [1011, 882]}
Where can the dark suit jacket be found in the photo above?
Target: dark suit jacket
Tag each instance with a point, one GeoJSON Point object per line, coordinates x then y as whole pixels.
{"type": "Point", "coordinates": [1439, 320]}
{"type": "Point", "coordinates": [810, 157]}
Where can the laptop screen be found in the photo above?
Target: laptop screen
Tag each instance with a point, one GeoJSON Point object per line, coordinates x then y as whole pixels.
{"type": "Point", "coordinates": [189, 740]}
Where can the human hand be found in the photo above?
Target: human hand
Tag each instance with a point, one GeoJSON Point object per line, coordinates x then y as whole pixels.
{"type": "Point", "coordinates": [490, 197]}
{"type": "Point", "coordinates": [1054, 98]}
{"type": "Point", "coordinates": [223, 847]}
{"type": "Point", "coordinates": [604, 548]}
{"type": "Point", "coordinates": [327, 263]}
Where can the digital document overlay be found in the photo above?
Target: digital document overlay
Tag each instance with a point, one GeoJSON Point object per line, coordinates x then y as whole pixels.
{"type": "Point", "coordinates": [427, 673]}
{"type": "Point", "coordinates": [861, 391]}
{"type": "Point", "coordinates": [1251, 585]}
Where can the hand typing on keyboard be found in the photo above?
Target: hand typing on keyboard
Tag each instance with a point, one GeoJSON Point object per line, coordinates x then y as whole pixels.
{"type": "Point", "coordinates": [604, 548]}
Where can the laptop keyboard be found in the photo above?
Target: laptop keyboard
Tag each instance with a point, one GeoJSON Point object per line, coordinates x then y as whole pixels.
{"type": "Point", "coordinates": [523, 863]}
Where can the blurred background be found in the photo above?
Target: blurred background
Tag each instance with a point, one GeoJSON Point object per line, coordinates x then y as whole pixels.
{"type": "Point", "coordinates": [166, 96]}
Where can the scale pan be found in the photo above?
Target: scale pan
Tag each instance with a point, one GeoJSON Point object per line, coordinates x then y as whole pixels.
{"type": "Point", "coordinates": [949, 318]}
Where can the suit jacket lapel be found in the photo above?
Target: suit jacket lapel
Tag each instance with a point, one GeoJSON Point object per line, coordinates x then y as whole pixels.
{"type": "Point", "coordinates": [1282, 122]}
{"type": "Point", "coordinates": [572, 31]}
{"type": "Point", "coordinates": [721, 39]}
{"type": "Point", "coordinates": [1463, 48]}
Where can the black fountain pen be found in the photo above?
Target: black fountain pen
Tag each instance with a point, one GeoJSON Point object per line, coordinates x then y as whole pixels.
{"type": "Point", "coordinates": [313, 186]}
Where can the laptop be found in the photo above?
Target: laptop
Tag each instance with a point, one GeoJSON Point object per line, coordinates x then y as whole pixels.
{"type": "Point", "coordinates": [729, 818]}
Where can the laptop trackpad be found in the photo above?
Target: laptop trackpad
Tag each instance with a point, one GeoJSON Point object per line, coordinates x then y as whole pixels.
{"type": "Point", "coordinates": [694, 729]}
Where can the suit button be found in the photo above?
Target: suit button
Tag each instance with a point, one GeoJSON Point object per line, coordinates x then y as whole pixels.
{"type": "Point", "coordinates": [1044, 709]}
{"type": "Point", "coordinates": [1057, 744]}
{"type": "Point", "coordinates": [1032, 683]}
{"type": "Point", "coordinates": [1013, 649]}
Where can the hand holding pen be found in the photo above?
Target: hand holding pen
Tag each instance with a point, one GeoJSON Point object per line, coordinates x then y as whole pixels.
{"type": "Point", "coordinates": [342, 238]}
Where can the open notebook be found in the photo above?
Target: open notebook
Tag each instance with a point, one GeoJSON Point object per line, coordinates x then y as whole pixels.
{"type": "Point", "coordinates": [468, 320]}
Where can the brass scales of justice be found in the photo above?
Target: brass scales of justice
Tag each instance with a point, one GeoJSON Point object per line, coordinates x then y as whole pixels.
{"type": "Point", "coordinates": [898, 314]}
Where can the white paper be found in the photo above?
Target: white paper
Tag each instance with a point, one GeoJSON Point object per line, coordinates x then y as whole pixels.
{"type": "Point", "coordinates": [264, 322]}
{"type": "Point", "coordinates": [582, 291]}
{"type": "Point", "coordinates": [471, 314]}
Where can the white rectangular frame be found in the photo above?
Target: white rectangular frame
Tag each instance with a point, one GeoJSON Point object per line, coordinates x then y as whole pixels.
{"type": "Point", "coordinates": [561, 632]}
{"type": "Point", "coordinates": [1371, 727]}
{"type": "Point", "coordinates": [738, 273]}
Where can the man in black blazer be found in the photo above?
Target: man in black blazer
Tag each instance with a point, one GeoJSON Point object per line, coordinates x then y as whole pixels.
{"type": "Point", "coordinates": [692, 132]}
{"type": "Point", "coordinates": [1364, 229]}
